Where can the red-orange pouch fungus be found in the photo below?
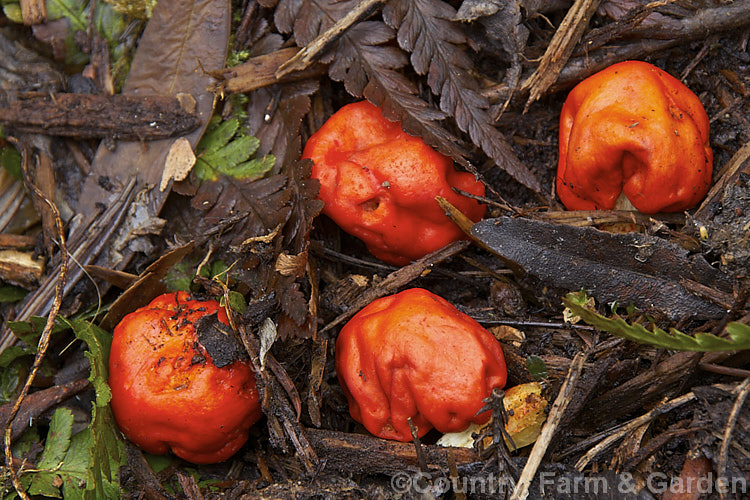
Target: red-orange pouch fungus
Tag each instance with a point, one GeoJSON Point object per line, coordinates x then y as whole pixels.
{"type": "Point", "coordinates": [167, 394]}
{"type": "Point", "coordinates": [633, 129]}
{"type": "Point", "coordinates": [379, 184]}
{"type": "Point", "coordinates": [413, 354]}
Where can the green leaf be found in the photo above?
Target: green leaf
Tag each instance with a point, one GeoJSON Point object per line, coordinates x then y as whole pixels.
{"type": "Point", "coordinates": [739, 333]}
{"type": "Point", "coordinates": [30, 331]}
{"type": "Point", "coordinates": [226, 149]}
{"type": "Point", "coordinates": [50, 466]}
{"type": "Point", "coordinates": [14, 352]}
{"type": "Point", "coordinates": [180, 276]}
{"type": "Point", "coordinates": [24, 445]}
{"type": "Point", "coordinates": [11, 161]}
{"type": "Point", "coordinates": [250, 170]}
{"type": "Point", "coordinates": [10, 377]}
{"type": "Point", "coordinates": [10, 293]}
{"type": "Point", "coordinates": [58, 439]}
{"type": "Point", "coordinates": [139, 9]}
{"type": "Point", "coordinates": [218, 137]}
{"type": "Point", "coordinates": [158, 462]}
{"type": "Point", "coordinates": [232, 154]}
{"type": "Point", "coordinates": [217, 270]}
{"type": "Point", "coordinates": [536, 367]}
{"type": "Point", "coordinates": [237, 302]}
{"type": "Point", "coordinates": [12, 11]}
{"type": "Point", "coordinates": [105, 449]}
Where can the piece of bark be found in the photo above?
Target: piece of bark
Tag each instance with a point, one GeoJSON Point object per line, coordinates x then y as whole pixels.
{"type": "Point", "coordinates": [21, 268]}
{"type": "Point", "coordinates": [363, 454]}
{"type": "Point", "coordinates": [120, 279]}
{"type": "Point", "coordinates": [632, 268]}
{"type": "Point", "coordinates": [648, 387]}
{"type": "Point", "coordinates": [260, 71]}
{"type": "Point", "coordinates": [37, 170]}
{"type": "Point", "coordinates": [87, 116]}
{"type": "Point", "coordinates": [16, 242]}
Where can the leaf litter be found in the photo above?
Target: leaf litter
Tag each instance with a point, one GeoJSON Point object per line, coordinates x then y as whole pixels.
{"type": "Point", "coordinates": [243, 224]}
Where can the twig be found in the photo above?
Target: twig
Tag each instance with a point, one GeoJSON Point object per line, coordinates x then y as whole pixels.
{"type": "Point", "coordinates": [742, 391]}
{"type": "Point", "coordinates": [34, 12]}
{"type": "Point", "coordinates": [398, 279]}
{"type": "Point", "coordinates": [417, 445]}
{"type": "Point", "coordinates": [740, 162]}
{"type": "Point", "coordinates": [559, 49]}
{"type": "Point", "coordinates": [724, 370]}
{"type": "Point", "coordinates": [632, 425]}
{"type": "Point", "coordinates": [189, 486]}
{"type": "Point", "coordinates": [453, 470]}
{"type": "Point", "coordinates": [120, 116]}
{"type": "Point", "coordinates": [44, 339]}
{"type": "Point", "coordinates": [260, 71]}
{"type": "Point", "coordinates": [302, 59]}
{"type": "Point", "coordinates": [556, 414]}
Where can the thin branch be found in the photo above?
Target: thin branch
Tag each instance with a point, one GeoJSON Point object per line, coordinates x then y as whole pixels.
{"type": "Point", "coordinates": [302, 59]}
{"type": "Point", "coordinates": [45, 337]}
{"type": "Point", "coordinates": [559, 49]}
{"type": "Point", "coordinates": [550, 427]}
{"type": "Point", "coordinates": [631, 426]}
{"type": "Point", "coordinates": [742, 391]}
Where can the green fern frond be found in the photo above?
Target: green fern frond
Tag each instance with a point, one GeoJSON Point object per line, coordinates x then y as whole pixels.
{"type": "Point", "coordinates": [739, 333]}
{"type": "Point", "coordinates": [226, 150]}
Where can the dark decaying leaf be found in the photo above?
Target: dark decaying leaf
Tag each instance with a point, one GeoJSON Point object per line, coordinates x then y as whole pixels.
{"type": "Point", "coordinates": [274, 117]}
{"type": "Point", "coordinates": [219, 340]}
{"type": "Point", "coordinates": [368, 69]}
{"type": "Point", "coordinates": [426, 30]}
{"type": "Point", "coordinates": [633, 268]}
{"type": "Point", "coordinates": [502, 21]}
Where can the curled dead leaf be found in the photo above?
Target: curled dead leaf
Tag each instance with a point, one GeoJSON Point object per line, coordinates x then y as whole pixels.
{"type": "Point", "coordinates": [179, 162]}
{"type": "Point", "coordinates": [525, 406]}
{"type": "Point", "coordinates": [291, 265]}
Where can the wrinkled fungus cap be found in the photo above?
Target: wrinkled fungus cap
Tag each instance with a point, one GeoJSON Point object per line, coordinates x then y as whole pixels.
{"type": "Point", "coordinates": [633, 129]}
{"type": "Point", "coordinates": [414, 355]}
{"type": "Point", "coordinates": [379, 184]}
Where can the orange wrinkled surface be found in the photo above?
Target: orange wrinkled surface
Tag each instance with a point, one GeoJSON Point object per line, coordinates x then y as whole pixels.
{"type": "Point", "coordinates": [166, 392]}
{"type": "Point", "coordinates": [379, 184]}
{"type": "Point", "coordinates": [413, 354]}
{"type": "Point", "coordinates": [635, 129]}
